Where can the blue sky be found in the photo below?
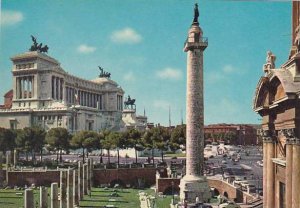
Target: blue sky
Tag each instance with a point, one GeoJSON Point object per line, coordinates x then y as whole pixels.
{"type": "Point", "coordinates": [141, 42]}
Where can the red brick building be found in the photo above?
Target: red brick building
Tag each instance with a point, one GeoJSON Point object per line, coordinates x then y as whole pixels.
{"type": "Point", "coordinates": [7, 100]}
{"type": "Point", "coordinates": [244, 134]}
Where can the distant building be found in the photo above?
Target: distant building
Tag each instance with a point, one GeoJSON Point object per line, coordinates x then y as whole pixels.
{"type": "Point", "coordinates": [8, 97]}
{"type": "Point", "coordinates": [245, 134]}
{"type": "Point", "coordinates": [277, 101]}
{"type": "Point", "coordinates": [45, 95]}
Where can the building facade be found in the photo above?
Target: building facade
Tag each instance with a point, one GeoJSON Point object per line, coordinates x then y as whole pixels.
{"type": "Point", "coordinates": [277, 101]}
{"type": "Point", "coordinates": [45, 95]}
{"type": "Point", "coordinates": [244, 134]}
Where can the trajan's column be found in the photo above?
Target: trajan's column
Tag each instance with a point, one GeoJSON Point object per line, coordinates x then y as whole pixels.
{"type": "Point", "coordinates": [194, 186]}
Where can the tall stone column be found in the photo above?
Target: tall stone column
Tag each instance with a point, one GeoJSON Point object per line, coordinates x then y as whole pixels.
{"type": "Point", "coordinates": [54, 195]}
{"type": "Point", "coordinates": [88, 176]}
{"type": "Point", "coordinates": [54, 87]}
{"type": "Point", "coordinates": [15, 157]}
{"type": "Point", "coordinates": [270, 173]}
{"type": "Point", "coordinates": [288, 173]}
{"type": "Point", "coordinates": [69, 189]}
{"type": "Point", "coordinates": [28, 199]}
{"type": "Point", "coordinates": [80, 180]}
{"type": "Point", "coordinates": [91, 173]}
{"type": "Point", "coordinates": [265, 164]}
{"type": "Point", "coordinates": [194, 185]}
{"type": "Point", "coordinates": [58, 88]}
{"type": "Point", "coordinates": [63, 183]}
{"type": "Point", "coordinates": [85, 171]}
{"type": "Point", "coordinates": [296, 175]}
{"type": "Point", "coordinates": [43, 197]}
{"type": "Point", "coordinates": [75, 187]}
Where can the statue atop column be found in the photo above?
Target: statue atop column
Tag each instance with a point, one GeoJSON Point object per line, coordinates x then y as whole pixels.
{"type": "Point", "coordinates": [196, 13]}
{"type": "Point", "coordinates": [38, 47]}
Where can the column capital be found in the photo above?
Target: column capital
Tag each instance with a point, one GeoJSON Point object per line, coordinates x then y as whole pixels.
{"type": "Point", "coordinates": [290, 136]}
{"type": "Point", "coordinates": [267, 135]}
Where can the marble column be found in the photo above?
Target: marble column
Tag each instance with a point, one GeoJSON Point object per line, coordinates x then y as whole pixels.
{"type": "Point", "coordinates": [69, 189]}
{"type": "Point", "coordinates": [62, 89]}
{"type": "Point", "coordinates": [296, 175]}
{"type": "Point", "coordinates": [15, 157]}
{"type": "Point", "coordinates": [63, 183]}
{"type": "Point", "coordinates": [80, 181]}
{"type": "Point", "coordinates": [32, 87]}
{"type": "Point", "coordinates": [265, 163]}
{"type": "Point", "coordinates": [43, 197]}
{"type": "Point", "coordinates": [270, 173]}
{"type": "Point", "coordinates": [75, 187]}
{"type": "Point", "coordinates": [85, 179]}
{"type": "Point", "coordinates": [88, 176]}
{"type": "Point", "coordinates": [28, 199]}
{"type": "Point", "coordinates": [58, 88]}
{"type": "Point", "coordinates": [288, 173]}
{"type": "Point", "coordinates": [194, 185]}
{"type": "Point", "coordinates": [54, 195]}
{"type": "Point", "coordinates": [54, 87]}
{"type": "Point", "coordinates": [91, 173]}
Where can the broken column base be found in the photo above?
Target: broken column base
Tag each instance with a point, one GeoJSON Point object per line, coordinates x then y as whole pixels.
{"type": "Point", "coordinates": [194, 189]}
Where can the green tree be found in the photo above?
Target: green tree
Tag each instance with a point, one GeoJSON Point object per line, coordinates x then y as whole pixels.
{"type": "Point", "coordinates": [30, 139]}
{"type": "Point", "coordinates": [178, 137]}
{"type": "Point", "coordinates": [161, 138]}
{"type": "Point", "coordinates": [118, 142]}
{"type": "Point", "coordinates": [58, 139]}
{"type": "Point", "coordinates": [7, 141]}
{"type": "Point", "coordinates": [148, 142]}
{"type": "Point", "coordinates": [106, 142]}
{"type": "Point", "coordinates": [134, 140]}
{"type": "Point", "coordinates": [87, 140]}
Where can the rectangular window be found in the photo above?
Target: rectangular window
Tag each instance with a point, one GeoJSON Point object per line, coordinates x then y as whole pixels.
{"type": "Point", "coordinates": [281, 195]}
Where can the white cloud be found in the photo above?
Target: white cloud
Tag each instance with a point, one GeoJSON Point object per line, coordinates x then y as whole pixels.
{"type": "Point", "coordinates": [10, 17]}
{"type": "Point", "coordinates": [229, 69]}
{"type": "Point", "coordinates": [169, 73]}
{"type": "Point", "coordinates": [129, 77]}
{"type": "Point", "coordinates": [83, 48]}
{"type": "Point", "coordinates": [126, 35]}
{"type": "Point", "coordinates": [162, 104]}
{"type": "Point", "coordinates": [213, 77]}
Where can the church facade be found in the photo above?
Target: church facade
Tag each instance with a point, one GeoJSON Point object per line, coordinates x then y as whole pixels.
{"type": "Point", "coordinates": [45, 95]}
{"type": "Point", "coordinates": [277, 100]}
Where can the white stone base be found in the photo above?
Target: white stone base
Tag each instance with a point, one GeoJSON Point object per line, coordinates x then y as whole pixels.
{"type": "Point", "coordinates": [192, 187]}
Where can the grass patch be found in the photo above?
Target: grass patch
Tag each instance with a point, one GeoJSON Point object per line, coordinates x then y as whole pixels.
{"type": "Point", "coordinates": [126, 198]}
{"type": "Point", "coordinates": [175, 155]}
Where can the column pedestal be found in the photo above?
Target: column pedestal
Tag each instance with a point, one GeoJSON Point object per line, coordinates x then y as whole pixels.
{"type": "Point", "coordinates": [192, 187]}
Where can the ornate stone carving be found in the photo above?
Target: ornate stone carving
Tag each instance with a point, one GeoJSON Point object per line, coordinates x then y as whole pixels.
{"type": "Point", "coordinates": [270, 62]}
{"type": "Point", "coordinates": [290, 136]}
{"type": "Point", "coordinates": [267, 135]}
